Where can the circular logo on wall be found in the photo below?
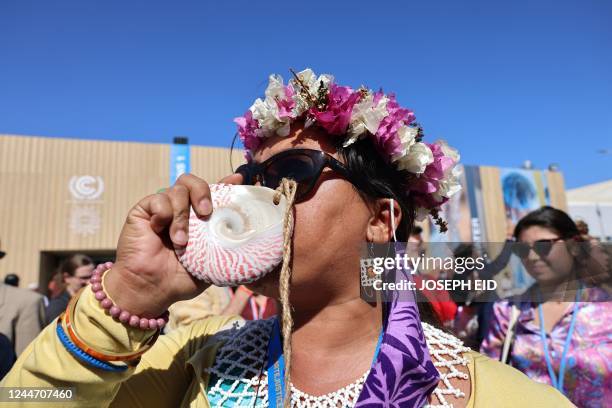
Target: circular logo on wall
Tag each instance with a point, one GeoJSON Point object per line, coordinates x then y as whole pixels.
{"type": "Point", "coordinates": [86, 187]}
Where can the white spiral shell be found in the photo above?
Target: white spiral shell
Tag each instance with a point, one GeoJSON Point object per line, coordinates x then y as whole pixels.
{"type": "Point", "coordinates": [241, 241]}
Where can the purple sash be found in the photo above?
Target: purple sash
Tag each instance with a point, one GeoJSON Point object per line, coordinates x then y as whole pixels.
{"type": "Point", "coordinates": [403, 375]}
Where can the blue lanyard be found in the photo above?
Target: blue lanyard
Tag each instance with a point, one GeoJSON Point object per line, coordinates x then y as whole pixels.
{"type": "Point", "coordinates": [276, 367]}
{"type": "Point", "coordinates": [558, 382]}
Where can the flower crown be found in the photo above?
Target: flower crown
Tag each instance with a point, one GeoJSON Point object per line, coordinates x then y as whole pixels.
{"type": "Point", "coordinates": [356, 114]}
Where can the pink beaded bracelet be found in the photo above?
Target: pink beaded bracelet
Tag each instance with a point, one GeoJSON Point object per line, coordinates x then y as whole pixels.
{"type": "Point", "coordinates": [122, 315]}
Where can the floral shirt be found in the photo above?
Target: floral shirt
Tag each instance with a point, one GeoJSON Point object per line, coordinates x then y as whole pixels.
{"type": "Point", "coordinates": [588, 376]}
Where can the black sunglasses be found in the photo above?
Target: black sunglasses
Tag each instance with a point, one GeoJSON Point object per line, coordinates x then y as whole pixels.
{"type": "Point", "coordinates": [541, 247]}
{"type": "Point", "coordinates": [302, 165]}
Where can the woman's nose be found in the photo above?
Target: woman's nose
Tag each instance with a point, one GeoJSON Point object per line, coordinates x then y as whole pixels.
{"type": "Point", "coordinates": [532, 256]}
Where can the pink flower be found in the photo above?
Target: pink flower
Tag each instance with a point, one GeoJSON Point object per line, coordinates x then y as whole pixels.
{"type": "Point", "coordinates": [340, 101]}
{"type": "Point", "coordinates": [286, 106]}
{"type": "Point", "coordinates": [428, 183]}
{"type": "Point", "coordinates": [386, 136]}
{"type": "Point", "coordinates": [441, 164]}
{"type": "Point", "coordinates": [247, 130]}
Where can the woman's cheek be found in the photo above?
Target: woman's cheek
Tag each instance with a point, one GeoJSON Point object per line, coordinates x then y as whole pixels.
{"type": "Point", "coordinates": [561, 261]}
{"type": "Point", "coordinates": [329, 222]}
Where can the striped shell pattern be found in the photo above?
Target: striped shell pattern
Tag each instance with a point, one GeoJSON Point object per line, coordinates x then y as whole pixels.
{"type": "Point", "coordinates": [241, 241]}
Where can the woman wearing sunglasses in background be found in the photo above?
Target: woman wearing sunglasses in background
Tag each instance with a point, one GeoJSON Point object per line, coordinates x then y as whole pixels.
{"type": "Point", "coordinates": [363, 173]}
{"type": "Point", "coordinates": [561, 333]}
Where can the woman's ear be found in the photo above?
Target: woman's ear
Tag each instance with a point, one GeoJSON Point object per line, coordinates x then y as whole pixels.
{"type": "Point", "coordinates": [380, 228]}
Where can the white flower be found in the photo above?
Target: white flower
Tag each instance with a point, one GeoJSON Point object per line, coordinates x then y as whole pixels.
{"type": "Point", "coordinates": [309, 79]}
{"type": "Point", "coordinates": [266, 111]}
{"type": "Point", "coordinates": [449, 185]}
{"type": "Point", "coordinates": [323, 80]}
{"type": "Point", "coordinates": [448, 151]}
{"type": "Point", "coordinates": [417, 159]}
{"type": "Point", "coordinates": [307, 76]}
{"type": "Point", "coordinates": [312, 82]}
{"type": "Point", "coordinates": [275, 89]}
{"type": "Point", "coordinates": [264, 114]}
{"type": "Point", "coordinates": [407, 136]}
{"type": "Point", "coordinates": [366, 116]}
{"type": "Point", "coordinates": [301, 104]}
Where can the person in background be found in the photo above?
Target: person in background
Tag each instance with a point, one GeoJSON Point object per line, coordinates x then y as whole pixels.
{"type": "Point", "coordinates": [443, 306]}
{"type": "Point", "coordinates": [415, 247]}
{"type": "Point", "coordinates": [416, 235]}
{"type": "Point", "coordinates": [598, 271]}
{"type": "Point", "coordinates": [56, 286]}
{"type": "Point", "coordinates": [7, 355]}
{"type": "Point", "coordinates": [75, 272]}
{"type": "Point", "coordinates": [35, 287]}
{"type": "Point", "coordinates": [475, 309]}
{"type": "Point", "coordinates": [583, 227]}
{"type": "Point", "coordinates": [21, 315]}
{"type": "Point", "coordinates": [209, 303]}
{"type": "Point", "coordinates": [565, 344]}
{"type": "Point", "coordinates": [12, 279]}
{"type": "Point", "coordinates": [337, 349]}
{"type": "Point", "coordinates": [598, 264]}
{"type": "Point", "coordinates": [250, 305]}
{"type": "Point", "coordinates": [467, 319]}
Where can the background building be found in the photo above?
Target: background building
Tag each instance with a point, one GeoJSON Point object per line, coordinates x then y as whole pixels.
{"type": "Point", "coordinates": [60, 196]}
{"type": "Point", "coordinates": [593, 204]}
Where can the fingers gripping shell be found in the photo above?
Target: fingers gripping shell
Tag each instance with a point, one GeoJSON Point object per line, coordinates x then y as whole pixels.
{"type": "Point", "coordinates": [241, 241]}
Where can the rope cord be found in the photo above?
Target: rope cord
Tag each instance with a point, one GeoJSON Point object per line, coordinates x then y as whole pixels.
{"type": "Point", "coordinates": [287, 188]}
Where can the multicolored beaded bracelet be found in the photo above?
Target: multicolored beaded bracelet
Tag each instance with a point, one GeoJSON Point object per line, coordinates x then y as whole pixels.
{"type": "Point", "coordinates": [115, 311]}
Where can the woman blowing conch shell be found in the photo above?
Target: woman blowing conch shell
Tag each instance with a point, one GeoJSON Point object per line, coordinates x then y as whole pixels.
{"type": "Point", "coordinates": [353, 168]}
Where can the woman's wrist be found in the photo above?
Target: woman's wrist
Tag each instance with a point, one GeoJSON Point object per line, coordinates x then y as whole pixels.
{"type": "Point", "coordinates": [130, 356]}
{"type": "Point", "coordinates": [133, 297]}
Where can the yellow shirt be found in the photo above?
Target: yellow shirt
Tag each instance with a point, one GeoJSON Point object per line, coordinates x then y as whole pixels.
{"type": "Point", "coordinates": [171, 373]}
{"type": "Point", "coordinates": [209, 303]}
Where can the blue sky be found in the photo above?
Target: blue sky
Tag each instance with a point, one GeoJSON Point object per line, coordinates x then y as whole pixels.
{"type": "Point", "coordinates": [502, 81]}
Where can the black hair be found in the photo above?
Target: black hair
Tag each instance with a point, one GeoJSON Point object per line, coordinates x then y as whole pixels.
{"type": "Point", "coordinates": [11, 279]}
{"type": "Point", "coordinates": [72, 263]}
{"type": "Point", "coordinates": [550, 218]}
{"type": "Point", "coordinates": [380, 179]}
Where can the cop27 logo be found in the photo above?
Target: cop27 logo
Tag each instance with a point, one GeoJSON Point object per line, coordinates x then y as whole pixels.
{"type": "Point", "coordinates": [86, 187]}
{"type": "Point", "coordinates": [84, 219]}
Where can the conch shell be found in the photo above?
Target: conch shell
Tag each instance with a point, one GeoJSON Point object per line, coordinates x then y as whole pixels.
{"type": "Point", "coordinates": [241, 241]}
